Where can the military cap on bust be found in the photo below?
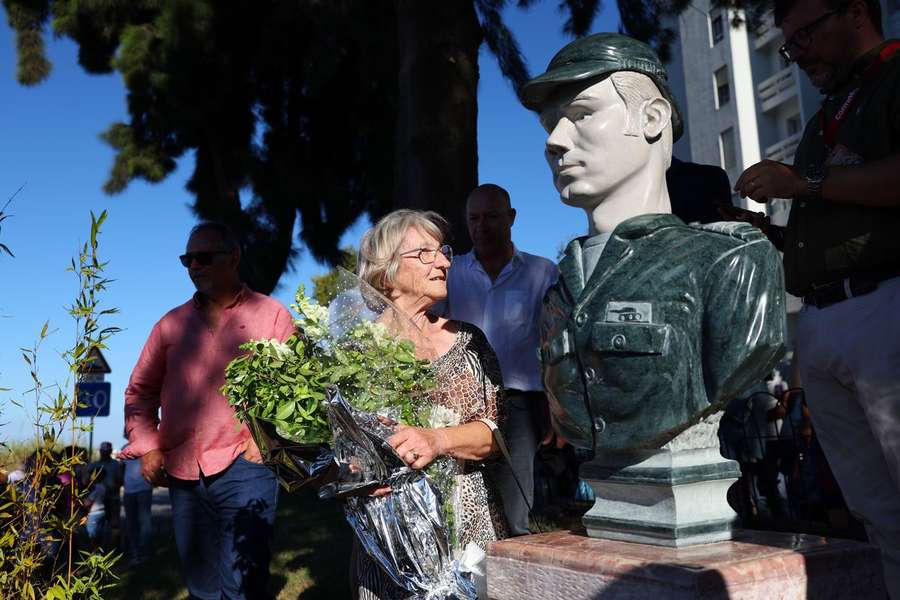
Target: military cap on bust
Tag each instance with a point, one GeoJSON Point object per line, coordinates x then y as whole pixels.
{"type": "Point", "coordinates": [596, 55]}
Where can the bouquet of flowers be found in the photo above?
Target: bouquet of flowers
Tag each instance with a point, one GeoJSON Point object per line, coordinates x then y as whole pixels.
{"type": "Point", "coordinates": [359, 343]}
{"type": "Point", "coordinates": [352, 369]}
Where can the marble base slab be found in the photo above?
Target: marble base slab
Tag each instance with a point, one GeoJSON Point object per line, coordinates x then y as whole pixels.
{"type": "Point", "coordinates": [753, 565]}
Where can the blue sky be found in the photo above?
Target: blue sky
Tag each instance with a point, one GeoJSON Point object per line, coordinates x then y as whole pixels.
{"type": "Point", "coordinates": [49, 141]}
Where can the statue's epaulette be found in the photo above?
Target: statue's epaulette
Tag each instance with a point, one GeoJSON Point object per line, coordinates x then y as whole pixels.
{"type": "Point", "coordinates": [734, 229]}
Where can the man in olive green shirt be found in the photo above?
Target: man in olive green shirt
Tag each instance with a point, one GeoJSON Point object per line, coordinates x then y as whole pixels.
{"type": "Point", "coordinates": [842, 251]}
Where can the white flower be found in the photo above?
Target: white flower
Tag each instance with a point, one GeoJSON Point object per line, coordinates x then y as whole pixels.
{"type": "Point", "coordinates": [378, 331]}
{"type": "Point", "coordinates": [314, 332]}
{"type": "Point", "coordinates": [280, 349]}
{"type": "Point", "coordinates": [316, 312]}
{"type": "Point", "coordinates": [441, 416]}
{"type": "Point", "coordinates": [311, 313]}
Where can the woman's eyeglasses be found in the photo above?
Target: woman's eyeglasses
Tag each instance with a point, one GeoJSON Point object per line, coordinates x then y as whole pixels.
{"type": "Point", "coordinates": [204, 259]}
{"type": "Point", "coordinates": [429, 255]}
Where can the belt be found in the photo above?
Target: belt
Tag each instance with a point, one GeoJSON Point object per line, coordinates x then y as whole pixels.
{"type": "Point", "coordinates": [826, 294]}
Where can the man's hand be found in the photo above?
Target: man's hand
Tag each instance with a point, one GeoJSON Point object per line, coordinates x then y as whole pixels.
{"type": "Point", "coordinates": [769, 179]}
{"type": "Point", "coordinates": [551, 438]}
{"type": "Point", "coordinates": [152, 468]}
{"type": "Point", "coordinates": [252, 453]}
{"type": "Point", "coordinates": [757, 219]}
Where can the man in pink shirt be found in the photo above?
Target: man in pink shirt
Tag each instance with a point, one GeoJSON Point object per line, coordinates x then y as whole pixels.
{"type": "Point", "coordinates": [223, 497]}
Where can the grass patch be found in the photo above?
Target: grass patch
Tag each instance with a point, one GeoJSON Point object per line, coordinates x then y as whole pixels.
{"type": "Point", "coordinates": [310, 556]}
{"type": "Point", "coordinates": [565, 517]}
{"type": "Point", "coordinates": [13, 453]}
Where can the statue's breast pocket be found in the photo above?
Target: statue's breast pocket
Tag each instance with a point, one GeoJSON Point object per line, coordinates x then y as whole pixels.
{"type": "Point", "coordinates": [634, 338]}
{"type": "Point", "coordinates": [632, 356]}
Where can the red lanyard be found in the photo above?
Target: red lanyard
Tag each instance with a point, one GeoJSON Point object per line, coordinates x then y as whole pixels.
{"type": "Point", "coordinates": [830, 129]}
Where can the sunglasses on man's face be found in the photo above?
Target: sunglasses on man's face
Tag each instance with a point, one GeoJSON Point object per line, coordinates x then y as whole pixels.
{"type": "Point", "coordinates": [204, 259]}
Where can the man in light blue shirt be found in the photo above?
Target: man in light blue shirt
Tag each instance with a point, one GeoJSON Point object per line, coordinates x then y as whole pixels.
{"type": "Point", "coordinates": [138, 501]}
{"type": "Point", "coordinates": [500, 290]}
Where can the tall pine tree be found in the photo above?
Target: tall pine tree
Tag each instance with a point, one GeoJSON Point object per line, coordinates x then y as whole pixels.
{"type": "Point", "coordinates": [322, 110]}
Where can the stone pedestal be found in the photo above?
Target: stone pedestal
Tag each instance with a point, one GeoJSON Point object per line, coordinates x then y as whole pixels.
{"type": "Point", "coordinates": [754, 564]}
{"type": "Point", "coordinates": [664, 497]}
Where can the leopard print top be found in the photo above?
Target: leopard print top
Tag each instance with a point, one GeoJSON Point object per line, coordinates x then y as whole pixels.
{"type": "Point", "coordinates": [469, 384]}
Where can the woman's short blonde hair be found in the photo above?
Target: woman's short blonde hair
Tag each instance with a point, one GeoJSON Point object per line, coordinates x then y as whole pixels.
{"type": "Point", "coordinates": [379, 255]}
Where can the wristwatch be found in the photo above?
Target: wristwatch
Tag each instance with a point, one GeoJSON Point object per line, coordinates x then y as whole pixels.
{"type": "Point", "coordinates": [815, 177]}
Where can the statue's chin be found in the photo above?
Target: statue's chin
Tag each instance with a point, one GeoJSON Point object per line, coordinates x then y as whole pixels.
{"type": "Point", "coordinates": [587, 202]}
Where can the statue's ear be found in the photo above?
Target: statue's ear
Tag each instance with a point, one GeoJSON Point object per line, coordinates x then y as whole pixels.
{"type": "Point", "coordinates": [656, 115]}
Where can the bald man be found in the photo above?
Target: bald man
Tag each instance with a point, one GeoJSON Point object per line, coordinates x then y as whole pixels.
{"type": "Point", "coordinates": [500, 289]}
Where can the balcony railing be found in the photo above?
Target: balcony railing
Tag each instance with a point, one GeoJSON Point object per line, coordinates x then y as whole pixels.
{"type": "Point", "coordinates": [766, 33]}
{"type": "Point", "coordinates": [784, 150]}
{"type": "Point", "coordinates": [777, 88]}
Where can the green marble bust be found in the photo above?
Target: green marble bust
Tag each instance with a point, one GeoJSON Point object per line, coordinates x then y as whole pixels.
{"type": "Point", "coordinates": [653, 324]}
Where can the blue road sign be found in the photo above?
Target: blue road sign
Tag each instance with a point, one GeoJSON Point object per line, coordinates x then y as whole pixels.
{"type": "Point", "coordinates": [93, 399]}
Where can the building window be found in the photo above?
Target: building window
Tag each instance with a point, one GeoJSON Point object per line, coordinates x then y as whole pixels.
{"type": "Point", "coordinates": [794, 125]}
{"type": "Point", "coordinates": [723, 90]}
{"type": "Point", "coordinates": [717, 29]}
{"type": "Point", "coordinates": [726, 148]}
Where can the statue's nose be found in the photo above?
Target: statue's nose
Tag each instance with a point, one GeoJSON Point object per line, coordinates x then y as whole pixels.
{"type": "Point", "coordinates": [557, 143]}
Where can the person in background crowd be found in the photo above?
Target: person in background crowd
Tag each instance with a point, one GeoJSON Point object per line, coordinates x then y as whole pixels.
{"type": "Point", "coordinates": [223, 497]}
{"type": "Point", "coordinates": [112, 483]}
{"type": "Point", "coordinates": [15, 477]}
{"type": "Point", "coordinates": [697, 191]}
{"type": "Point", "coordinates": [499, 289]}
{"type": "Point", "coordinates": [138, 501]}
{"type": "Point", "coordinates": [842, 251]}
{"type": "Point", "coordinates": [96, 507]}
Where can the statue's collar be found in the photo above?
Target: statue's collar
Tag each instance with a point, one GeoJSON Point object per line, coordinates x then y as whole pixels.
{"type": "Point", "coordinates": [630, 229]}
{"type": "Point", "coordinates": [571, 268]}
{"type": "Point", "coordinates": [642, 225]}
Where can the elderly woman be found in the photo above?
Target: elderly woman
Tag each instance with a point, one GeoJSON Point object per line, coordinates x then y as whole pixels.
{"type": "Point", "coordinates": [405, 258]}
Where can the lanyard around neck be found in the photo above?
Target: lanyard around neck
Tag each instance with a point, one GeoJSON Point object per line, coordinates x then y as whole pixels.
{"type": "Point", "coordinates": [830, 128]}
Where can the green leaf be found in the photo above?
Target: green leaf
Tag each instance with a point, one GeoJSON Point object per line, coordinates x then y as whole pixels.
{"type": "Point", "coordinates": [285, 411]}
{"type": "Point", "coordinates": [404, 357]}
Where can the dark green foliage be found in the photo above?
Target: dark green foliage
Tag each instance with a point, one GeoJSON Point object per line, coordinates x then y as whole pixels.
{"type": "Point", "coordinates": [285, 106]}
{"type": "Point", "coordinates": [27, 18]}
{"type": "Point", "coordinates": [322, 110]}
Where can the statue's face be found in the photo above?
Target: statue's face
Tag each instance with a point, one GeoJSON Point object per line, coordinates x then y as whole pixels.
{"type": "Point", "coordinates": [587, 149]}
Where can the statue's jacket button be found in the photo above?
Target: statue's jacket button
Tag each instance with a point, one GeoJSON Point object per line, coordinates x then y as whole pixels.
{"type": "Point", "coordinates": [640, 339]}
